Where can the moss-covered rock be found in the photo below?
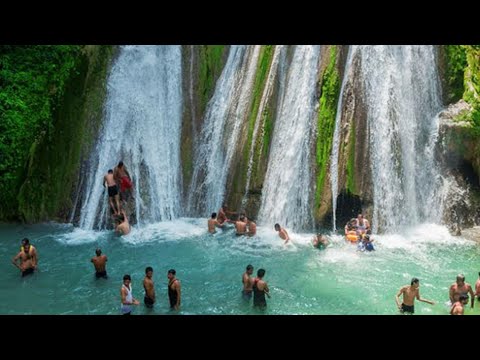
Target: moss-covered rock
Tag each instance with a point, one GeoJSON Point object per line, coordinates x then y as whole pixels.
{"type": "Point", "coordinates": [54, 166]}
{"type": "Point", "coordinates": [201, 67]}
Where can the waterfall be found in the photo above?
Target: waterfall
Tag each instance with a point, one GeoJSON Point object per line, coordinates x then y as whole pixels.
{"type": "Point", "coordinates": [286, 194]}
{"type": "Point", "coordinates": [336, 140]}
{"type": "Point", "coordinates": [226, 113]}
{"type": "Point", "coordinates": [402, 97]}
{"type": "Point", "coordinates": [142, 127]}
{"type": "Point", "coordinates": [267, 92]}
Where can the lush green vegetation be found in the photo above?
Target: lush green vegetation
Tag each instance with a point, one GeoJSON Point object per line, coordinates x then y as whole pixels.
{"type": "Point", "coordinates": [32, 80]}
{"type": "Point", "coordinates": [326, 120]}
{"type": "Point", "coordinates": [472, 84]}
{"type": "Point", "coordinates": [456, 61]}
{"type": "Point", "coordinates": [210, 67]}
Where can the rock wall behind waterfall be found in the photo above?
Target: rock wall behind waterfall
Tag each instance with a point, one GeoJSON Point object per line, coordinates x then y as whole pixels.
{"type": "Point", "coordinates": [56, 167]}
{"type": "Point", "coordinates": [202, 66]}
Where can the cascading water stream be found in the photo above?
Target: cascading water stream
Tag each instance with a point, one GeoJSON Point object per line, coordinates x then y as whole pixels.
{"type": "Point", "coordinates": [226, 113]}
{"type": "Point", "coordinates": [286, 195]}
{"type": "Point", "coordinates": [142, 128]}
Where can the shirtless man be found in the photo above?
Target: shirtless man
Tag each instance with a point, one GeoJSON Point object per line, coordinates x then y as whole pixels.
{"type": "Point", "coordinates": [320, 241]}
{"type": "Point", "coordinates": [461, 287]}
{"type": "Point", "coordinates": [409, 294]}
{"type": "Point", "coordinates": [282, 233]}
{"type": "Point", "coordinates": [222, 214]}
{"type": "Point", "coordinates": [122, 178]}
{"type": "Point", "coordinates": [212, 222]}
{"type": "Point", "coordinates": [100, 262]}
{"type": "Point", "coordinates": [109, 181]}
{"type": "Point", "coordinates": [28, 258]}
{"type": "Point", "coordinates": [252, 228]}
{"type": "Point", "coordinates": [149, 298]}
{"type": "Point", "coordinates": [247, 283]}
{"type": "Point", "coordinates": [362, 224]}
{"type": "Point", "coordinates": [123, 226]}
{"type": "Point", "coordinates": [241, 226]}
{"type": "Point", "coordinates": [459, 307]}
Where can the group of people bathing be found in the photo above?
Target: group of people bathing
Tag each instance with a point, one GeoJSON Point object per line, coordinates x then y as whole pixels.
{"type": "Point", "coordinates": [119, 186]}
{"type": "Point", "coordinates": [127, 300]}
{"type": "Point", "coordinates": [458, 295]}
{"type": "Point", "coordinates": [357, 230]}
{"type": "Point", "coordinates": [243, 225]}
{"type": "Point", "coordinates": [459, 291]}
{"type": "Point", "coordinates": [247, 226]}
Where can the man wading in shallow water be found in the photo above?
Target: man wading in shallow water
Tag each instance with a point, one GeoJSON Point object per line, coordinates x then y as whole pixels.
{"type": "Point", "coordinates": [409, 294]}
{"type": "Point", "coordinates": [174, 290]}
{"type": "Point", "coordinates": [28, 258]}
{"type": "Point", "coordinates": [100, 262]}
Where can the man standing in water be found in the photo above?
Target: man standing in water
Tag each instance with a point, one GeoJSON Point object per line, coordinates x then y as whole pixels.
{"type": "Point", "coordinates": [122, 178]}
{"type": "Point", "coordinates": [123, 226]}
{"type": "Point", "coordinates": [109, 181]}
{"type": "Point", "coordinates": [247, 283]}
{"type": "Point", "coordinates": [28, 258]}
{"type": "Point", "coordinates": [460, 287]}
{"type": "Point", "coordinates": [149, 298]}
{"type": "Point", "coordinates": [100, 262]}
{"type": "Point", "coordinates": [260, 289]}
{"type": "Point", "coordinates": [252, 228]}
{"type": "Point", "coordinates": [174, 290]}
{"type": "Point", "coordinates": [362, 224]}
{"type": "Point", "coordinates": [126, 295]}
{"type": "Point", "coordinates": [212, 223]}
{"type": "Point", "coordinates": [459, 307]}
{"type": "Point", "coordinates": [409, 294]}
{"type": "Point", "coordinates": [241, 226]}
{"type": "Point", "coordinates": [282, 233]}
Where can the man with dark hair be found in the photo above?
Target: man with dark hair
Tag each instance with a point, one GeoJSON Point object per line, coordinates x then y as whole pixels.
{"type": "Point", "coordinates": [126, 295]}
{"type": "Point", "coordinates": [320, 241]}
{"type": "Point", "coordinates": [460, 287]}
{"type": "Point", "coordinates": [174, 290]}
{"type": "Point", "coordinates": [247, 283]}
{"type": "Point", "coordinates": [149, 298]}
{"type": "Point", "coordinates": [241, 226]}
{"type": "Point", "coordinates": [409, 294]}
{"type": "Point", "coordinates": [123, 179]}
{"type": "Point", "coordinates": [260, 289]}
{"type": "Point", "coordinates": [123, 226]}
{"type": "Point", "coordinates": [459, 307]}
{"type": "Point", "coordinates": [99, 262]}
{"type": "Point", "coordinates": [212, 222]}
{"type": "Point", "coordinates": [111, 185]}
{"type": "Point", "coordinates": [282, 233]}
{"type": "Point", "coordinates": [28, 258]}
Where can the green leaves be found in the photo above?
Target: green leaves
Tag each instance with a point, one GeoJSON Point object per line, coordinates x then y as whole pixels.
{"type": "Point", "coordinates": [32, 80]}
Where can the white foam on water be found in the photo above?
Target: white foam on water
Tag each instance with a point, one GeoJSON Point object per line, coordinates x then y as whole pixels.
{"type": "Point", "coordinates": [80, 236]}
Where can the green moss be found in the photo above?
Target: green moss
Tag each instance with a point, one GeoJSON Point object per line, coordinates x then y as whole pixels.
{"type": "Point", "coordinates": [351, 187]}
{"type": "Point", "coordinates": [326, 120]}
{"type": "Point", "coordinates": [267, 132]}
{"type": "Point", "coordinates": [210, 67]}
{"type": "Point", "coordinates": [54, 159]}
{"type": "Point", "coordinates": [456, 61]}
{"type": "Point", "coordinates": [263, 65]}
{"type": "Point", "coordinates": [32, 83]}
